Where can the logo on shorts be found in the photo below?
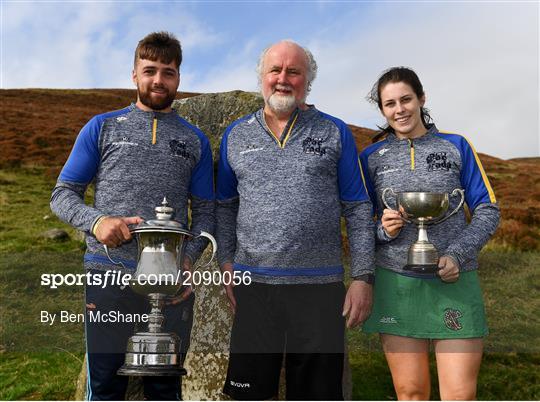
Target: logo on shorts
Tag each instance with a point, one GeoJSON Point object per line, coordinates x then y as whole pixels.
{"type": "Point", "coordinates": [240, 384]}
{"type": "Point", "coordinates": [451, 319]}
{"type": "Point", "coordinates": [388, 320]}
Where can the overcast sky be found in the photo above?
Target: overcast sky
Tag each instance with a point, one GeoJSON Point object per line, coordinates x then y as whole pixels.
{"type": "Point", "coordinates": [478, 61]}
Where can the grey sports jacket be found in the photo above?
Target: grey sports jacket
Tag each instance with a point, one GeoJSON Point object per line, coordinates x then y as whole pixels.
{"type": "Point", "coordinates": [136, 158]}
{"type": "Point", "coordinates": [280, 202]}
{"type": "Point", "coordinates": [438, 162]}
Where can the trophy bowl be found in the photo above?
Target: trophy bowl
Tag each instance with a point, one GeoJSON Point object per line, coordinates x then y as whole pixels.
{"type": "Point", "coordinates": [423, 209]}
{"type": "Point", "coordinates": [422, 205]}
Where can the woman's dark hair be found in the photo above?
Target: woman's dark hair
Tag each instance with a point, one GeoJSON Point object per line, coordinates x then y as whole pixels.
{"type": "Point", "coordinates": [397, 74]}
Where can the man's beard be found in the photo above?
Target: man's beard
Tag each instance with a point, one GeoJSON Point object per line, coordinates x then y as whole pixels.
{"type": "Point", "coordinates": [146, 99]}
{"type": "Point", "coordinates": [282, 103]}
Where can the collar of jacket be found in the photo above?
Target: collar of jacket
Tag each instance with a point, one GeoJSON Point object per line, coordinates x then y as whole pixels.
{"type": "Point", "coordinates": [152, 114]}
{"type": "Point", "coordinates": [432, 130]}
{"type": "Point", "coordinates": [302, 114]}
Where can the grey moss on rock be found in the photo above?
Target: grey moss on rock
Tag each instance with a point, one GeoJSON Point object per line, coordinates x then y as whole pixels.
{"type": "Point", "coordinates": [212, 113]}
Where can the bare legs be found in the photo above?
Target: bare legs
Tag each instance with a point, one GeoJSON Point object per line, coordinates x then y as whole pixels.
{"type": "Point", "coordinates": [458, 364]}
{"type": "Point", "coordinates": [408, 360]}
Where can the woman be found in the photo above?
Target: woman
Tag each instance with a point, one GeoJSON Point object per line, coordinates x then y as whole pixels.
{"type": "Point", "coordinates": [445, 308]}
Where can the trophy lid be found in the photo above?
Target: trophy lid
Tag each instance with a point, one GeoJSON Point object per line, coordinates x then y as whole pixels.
{"type": "Point", "coordinates": [163, 221]}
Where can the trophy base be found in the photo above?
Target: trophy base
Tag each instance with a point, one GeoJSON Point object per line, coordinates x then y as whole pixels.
{"type": "Point", "coordinates": [153, 371]}
{"type": "Point", "coordinates": [422, 268]}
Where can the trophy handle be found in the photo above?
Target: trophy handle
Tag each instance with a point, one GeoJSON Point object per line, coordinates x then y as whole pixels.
{"type": "Point", "coordinates": [214, 246]}
{"type": "Point", "coordinates": [454, 193]}
{"type": "Point", "coordinates": [383, 197]}
{"type": "Point", "coordinates": [111, 260]}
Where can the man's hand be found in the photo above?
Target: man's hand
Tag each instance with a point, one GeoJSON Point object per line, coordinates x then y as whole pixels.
{"type": "Point", "coordinates": [229, 288]}
{"type": "Point", "coordinates": [391, 222]}
{"type": "Point", "coordinates": [113, 231]}
{"type": "Point", "coordinates": [188, 289]}
{"type": "Point", "coordinates": [358, 303]}
{"type": "Point", "coordinates": [449, 269]}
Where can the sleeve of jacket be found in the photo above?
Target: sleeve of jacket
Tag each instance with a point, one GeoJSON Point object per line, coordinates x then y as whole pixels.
{"type": "Point", "coordinates": [481, 201]}
{"type": "Point", "coordinates": [202, 200]}
{"type": "Point", "coordinates": [356, 206]}
{"type": "Point", "coordinates": [380, 235]}
{"type": "Point", "coordinates": [227, 205]}
{"type": "Point", "coordinates": [67, 199]}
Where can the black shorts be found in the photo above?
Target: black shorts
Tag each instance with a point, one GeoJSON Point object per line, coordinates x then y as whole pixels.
{"type": "Point", "coordinates": [305, 322]}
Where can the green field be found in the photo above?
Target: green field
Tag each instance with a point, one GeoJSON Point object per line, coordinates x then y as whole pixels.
{"type": "Point", "coordinates": [40, 361]}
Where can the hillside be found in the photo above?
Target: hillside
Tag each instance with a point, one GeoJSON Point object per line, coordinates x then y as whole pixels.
{"type": "Point", "coordinates": [40, 125]}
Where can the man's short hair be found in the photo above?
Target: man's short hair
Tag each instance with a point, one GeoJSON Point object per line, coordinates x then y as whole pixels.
{"type": "Point", "coordinates": [159, 46]}
{"type": "Point", "coordinates": [311, 72]}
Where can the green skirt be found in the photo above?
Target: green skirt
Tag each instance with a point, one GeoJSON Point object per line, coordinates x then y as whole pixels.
{"type": "Point", "coordinates": [427, 308]}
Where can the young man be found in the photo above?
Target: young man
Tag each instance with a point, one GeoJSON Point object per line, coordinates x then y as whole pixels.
{"type": "Point", "coordinates": [286, 175]}
{"type": "Point", "coordinates": [136, 156]}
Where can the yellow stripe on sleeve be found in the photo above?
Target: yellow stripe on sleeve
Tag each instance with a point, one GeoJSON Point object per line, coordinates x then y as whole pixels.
{"type": "Point", "coordinates": [480, 167]}
{"type": "Point", "coordinates": [484, 176]}
{"type": "Point", "coordinates": [362, 174]}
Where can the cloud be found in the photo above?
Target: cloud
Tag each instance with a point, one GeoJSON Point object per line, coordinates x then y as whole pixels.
{"type": "Point", "coordinates": [82, 45]}
{"type": "Point", "coordinates": [44, 43]}
{"type": "Point", "coordinates": [478, 64]}
{"type": "Point", "coordinates": [234, 71]}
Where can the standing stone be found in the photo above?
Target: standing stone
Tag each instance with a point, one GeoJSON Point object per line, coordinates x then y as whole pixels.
{"type": "Point", "coordinates": [207, 359]}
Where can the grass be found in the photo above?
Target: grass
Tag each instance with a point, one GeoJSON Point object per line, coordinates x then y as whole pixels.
{"type": "Point", "coordinates": [23, 298]}
{"type": "Point", "coordinates": [38, 375]}
{"type": "Point", "coordinates": [25, 213]}
{"type": "Point", "coordinates": [38, 361]}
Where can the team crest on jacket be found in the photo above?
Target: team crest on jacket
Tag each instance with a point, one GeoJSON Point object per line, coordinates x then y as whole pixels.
{"type": "Point", "coordinates": [179, 148]}
{"type": "Point", "coordinates": [438, 161]}
{"type": "Point", "coordinates": [312, 145]}
{"type": "Point", "coordinates": [451, 319]}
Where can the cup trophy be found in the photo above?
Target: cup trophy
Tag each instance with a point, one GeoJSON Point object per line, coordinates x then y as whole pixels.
{"type": "Point", "coordinates": [161, 245]}
{"type": "Point", "coordinates": [423, 209]}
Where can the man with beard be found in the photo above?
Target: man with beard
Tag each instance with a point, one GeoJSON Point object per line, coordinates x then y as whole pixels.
{"type": "Point", "coordinates": [135, 157]}
{"type": "Point", "coordinates": [286, 175]}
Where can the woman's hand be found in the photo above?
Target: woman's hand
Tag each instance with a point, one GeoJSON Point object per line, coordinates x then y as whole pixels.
{"type": "Point", "coordinates": [449, 269]}
{"type": "Point", "coordinates": [392, 222]}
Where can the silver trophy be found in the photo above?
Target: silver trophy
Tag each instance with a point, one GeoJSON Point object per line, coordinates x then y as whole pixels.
{"type": "Point", "coordinates": [161, 245]}
{"type": "Point", "coordinates": [423, 209]}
